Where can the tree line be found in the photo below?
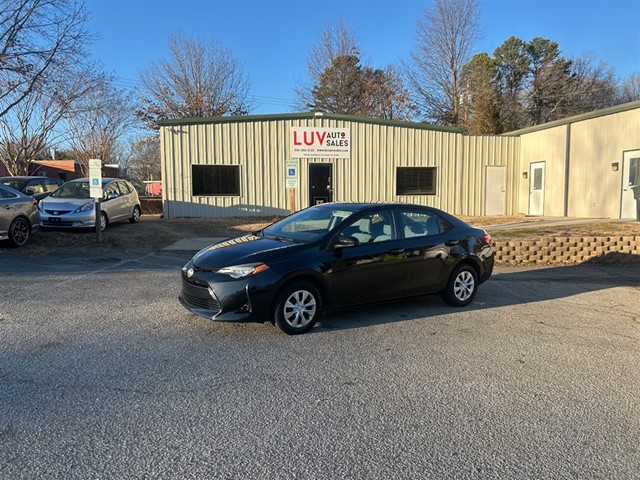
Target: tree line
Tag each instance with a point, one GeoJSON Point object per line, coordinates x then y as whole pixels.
{"type": "Point", "coordinates": [53, 94]}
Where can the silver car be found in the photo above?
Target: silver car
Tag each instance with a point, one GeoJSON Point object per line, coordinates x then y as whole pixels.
{"type": "Point", "coordinates": [70, 206]}
{"type": "Point", "coordinates": [18, 216]}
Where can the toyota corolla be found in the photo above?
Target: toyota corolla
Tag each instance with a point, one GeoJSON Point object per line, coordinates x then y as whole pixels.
{"type": "Point", "coordinates": [337, 255]}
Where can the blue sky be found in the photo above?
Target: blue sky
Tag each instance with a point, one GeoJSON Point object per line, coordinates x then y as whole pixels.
{"type": "Point", "coordinates": [272, 38]}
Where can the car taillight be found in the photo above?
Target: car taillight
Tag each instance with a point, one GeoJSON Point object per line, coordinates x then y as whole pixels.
{"type": "Point", "coordinates": [34, 202]}
{"type": "Point", "coordinates": [486, 238]}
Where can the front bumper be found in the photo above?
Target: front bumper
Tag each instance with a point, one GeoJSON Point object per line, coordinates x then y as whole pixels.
{"type": "Point", "coordinates": [205, 302]}
{"type": "Point", "coordinates": [68, 220]}
{"type": "Point", "coordinates": [219, 297]}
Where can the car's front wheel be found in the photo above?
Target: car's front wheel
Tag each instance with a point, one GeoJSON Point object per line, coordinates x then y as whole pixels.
{"type": "Point", "coordinates": [462, 286]}
{"type": "Point", "coordinates": [104, 221]}
{"type": "Point", "coordinates": [135, 216]}
{"type": "Point", "coordinates": [298, 307]}
{"type": "Point", "coordinates": [19, 232]}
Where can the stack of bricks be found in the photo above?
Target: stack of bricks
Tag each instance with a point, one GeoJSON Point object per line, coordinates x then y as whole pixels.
{"type": "Point", "coordinates": [565, 250]}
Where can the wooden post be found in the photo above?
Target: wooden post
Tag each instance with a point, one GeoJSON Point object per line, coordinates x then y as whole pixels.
{"type": "Point", "coordinates": [292, 200]}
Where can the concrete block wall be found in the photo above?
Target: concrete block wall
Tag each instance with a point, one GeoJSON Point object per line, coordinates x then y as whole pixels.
{"type": "Point", "coordinates": [566, 250]}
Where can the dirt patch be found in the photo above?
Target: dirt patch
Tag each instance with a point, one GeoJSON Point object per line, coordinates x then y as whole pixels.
{"type": "Point", "coordinates": [154, 232]}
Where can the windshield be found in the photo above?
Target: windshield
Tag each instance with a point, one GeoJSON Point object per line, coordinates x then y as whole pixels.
{"type": "Point", "coordinates": [308, 225]}
{"type": "Point", "coordinates": [72, 190]}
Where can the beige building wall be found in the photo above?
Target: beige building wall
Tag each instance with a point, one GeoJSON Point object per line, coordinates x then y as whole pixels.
{"type": "Point", "coordinates": [548, 146]}
{"type": "Point", "coordinates": [579, 153]}
{"type": "Point", "coordinates": [260, 146]}
{"type": "Point", "coordinates": [595, 189]}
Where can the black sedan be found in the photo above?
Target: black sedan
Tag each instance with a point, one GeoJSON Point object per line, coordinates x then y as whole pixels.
{"type": "Point", "coordinates": [336, 255]}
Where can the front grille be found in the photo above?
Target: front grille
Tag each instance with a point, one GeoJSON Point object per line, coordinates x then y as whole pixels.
{"type": "Point", "coordinates": [199, 297]}
{"type": "Point", "coordinates": [204, 303]}
{"type": "Point", "coordinates": [57, 212]}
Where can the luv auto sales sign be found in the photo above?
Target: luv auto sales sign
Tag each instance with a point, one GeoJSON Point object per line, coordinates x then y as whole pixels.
{"type": "Point", "coordinates": [315, 142]}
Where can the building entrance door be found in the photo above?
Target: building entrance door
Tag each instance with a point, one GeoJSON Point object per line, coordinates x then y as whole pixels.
{"type": "Point", "coordinates": [495, 189]}
{"type": "Point", "coordinates": [320, 183]}
{"type": "Point", "coordinates": [630, 205]}
{"type": "Point", "coordinates": [536, 188]}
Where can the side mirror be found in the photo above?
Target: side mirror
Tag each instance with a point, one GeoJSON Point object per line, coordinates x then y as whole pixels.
{"type": "Point", "coordinates": [111, 196]}
{"type": "Point", "coordinates": [30, 191]}
{"type": "Point", "coordinates": [345, 241]}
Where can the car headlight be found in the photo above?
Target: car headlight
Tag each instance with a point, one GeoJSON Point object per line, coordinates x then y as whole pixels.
{"type": "Point", "coordinates": [84, 208]}
{"type": "Point", "coordinates": [241, 271]}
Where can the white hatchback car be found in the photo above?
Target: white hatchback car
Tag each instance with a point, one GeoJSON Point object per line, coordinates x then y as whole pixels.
{"type": "Point", "coordinates": [70, 206]}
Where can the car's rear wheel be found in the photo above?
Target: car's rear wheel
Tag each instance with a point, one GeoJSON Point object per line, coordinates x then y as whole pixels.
{"type": "Point", "coordinates": [104, 221]}
{"type": "Point", "coordinates": [19, 232]}
{"type": "Point", "coordinates": [298, 307]}
{"type": "Point", "coordinates": [462, 286]}
{"type": "Point", "coordinates": [135, 216]}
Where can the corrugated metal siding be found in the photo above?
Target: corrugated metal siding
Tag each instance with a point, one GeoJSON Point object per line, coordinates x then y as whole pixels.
{"type": "Point", "coordinates": [261, 148]}
{"type": "Point", "coordinates": [478, 152]}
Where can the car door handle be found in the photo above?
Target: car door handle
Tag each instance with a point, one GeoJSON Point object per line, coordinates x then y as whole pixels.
{"type": "Point", "coordinates": [451, 243]}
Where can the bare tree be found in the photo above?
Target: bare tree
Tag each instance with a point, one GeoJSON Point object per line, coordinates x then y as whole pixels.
{"type": "Point", "coordinates": [142, 161]}
{"type": "Point", "coordinates": [385, 95]}
{"type": "Point", "coordinates": [446, 34]}
{"type": "Point", "coordinates": [199, 79]}
{"type": "Point", "coordinates": [592, 86]}
{"type": "Point", "coordinates": [630, 89]}
{"type": "Point", "coordinates": [32, 125]}
{"type": "Point", "coordinates": [335, 42]}
{"type": "Point", "coordinates": [99, 120]}
{"type": "Point", "coordinates": [35, 37]}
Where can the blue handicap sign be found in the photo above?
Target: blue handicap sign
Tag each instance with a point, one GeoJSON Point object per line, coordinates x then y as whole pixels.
{"type": "Point", "coordinates": [292, 172]}
{"type": "Point", "coordinates": [95, 181]}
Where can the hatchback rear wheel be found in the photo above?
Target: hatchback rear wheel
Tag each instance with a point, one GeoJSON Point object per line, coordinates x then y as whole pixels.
{"type": "Point", "coordinates": [298, 308]}
{"type": "Point", "coordinates": [135, 216]}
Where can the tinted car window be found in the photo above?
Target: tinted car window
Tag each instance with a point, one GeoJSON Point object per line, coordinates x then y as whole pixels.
{"type": "Point", "coordinates": [13, 183]}
{"type": "Point", "coordinates": [34, 186]}
{"type": "Point", "coordinates": [111, 189]}
{"type": "Point", "coordinates": [124, 188]}
{"type": "Point", "coordinates": [422, 223]}
{"type": "Point", "coordinates": [7, 194]}
{"type": "Point", "coordinates": [50, 185]}
{"type": "Point", "coordinates": [373, 227]}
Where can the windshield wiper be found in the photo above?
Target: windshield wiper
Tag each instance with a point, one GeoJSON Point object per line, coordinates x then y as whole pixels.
{"type": "Point", "coordinates": [279, 238]}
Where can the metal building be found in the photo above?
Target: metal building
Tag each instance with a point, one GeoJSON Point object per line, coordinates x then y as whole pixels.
{"type": "Point", "coordinates": [271, 164]}
{"type": "Point", "coordinates": [583, 166]}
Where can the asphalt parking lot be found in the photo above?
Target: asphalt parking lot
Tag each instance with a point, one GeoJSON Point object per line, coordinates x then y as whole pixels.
{"type": "Point", "coordinates": [104, 375]}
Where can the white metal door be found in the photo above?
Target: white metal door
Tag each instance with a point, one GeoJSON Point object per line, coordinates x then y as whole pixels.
{"type": "Point", "coordinates": [495, 189]}
{"type": "Point", "coordinates": [631, 185]}
{"type": "Point", "coordinates": [536, 188]}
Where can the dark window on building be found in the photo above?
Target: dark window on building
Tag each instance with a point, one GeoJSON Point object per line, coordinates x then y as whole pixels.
{"type": "Point", "coordinates": [215, 179]}
{"type": "Point", "coordinates": [416, 180]}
